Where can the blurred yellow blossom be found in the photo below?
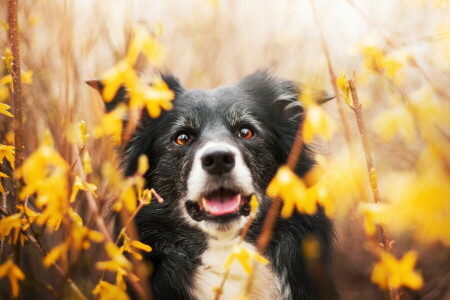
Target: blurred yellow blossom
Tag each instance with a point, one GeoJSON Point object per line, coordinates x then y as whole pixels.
{"type": "Point", "coordinates": [79, 238]}
{"type": "Point", "coordinates": [343, 86]}
{"type": "Point", "coordinates": [374, 214]}
{"type": "Point", "coordinates": [8, 59]}
{"type": "Point", "coordinates": [133, 247]}
{"type": "Point", "coordinates": [14, 226]}
{"type": "Point", "coordinates": [2, 175]}
{"type": "Point", "coordinates": [396, 120]}
{"type": "Point", "coordinates": [317, 122]}
{"type": "Point", "coordinates": [253, 204]}
{"type": "Point", "coordinates": [151, 48]}
{"type": "Point", "coordinates": [8, 153]}
{"type": "Point", "coordinates": [295, 193]}
{"type": "Point", "coordinates": [107, 291]}
{"type": "Point", "coordinates": [245, 257]}
{"type": "Point", "coordinates": [392, 273]}
{"type": "Point", "coordinates": [121, 74]}
{"type": "Point", "coordinates": [118, 262]}
{"type": "Point", "coordinates": [290, 188]}
{"type": "Point", "coordinates": [111, 125]}
{"type": "Point", "coordinates": [14, 275]}
{"type": "Point", "coordinates": [4, 109]}
{"type": "Point", "coordinates": [80, 184]}
{"type": "Point", "coordinates": [376, 60]}
{"type": "Point", "coordinates": [154, 97]}
{"type": "Point", "coordinates": [45, 173]}
{"type": "Point", "coordinates": [86, 160]}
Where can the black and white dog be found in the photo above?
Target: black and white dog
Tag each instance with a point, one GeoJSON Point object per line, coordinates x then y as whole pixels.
{"type": "Point", "coordinates": [207, 157]}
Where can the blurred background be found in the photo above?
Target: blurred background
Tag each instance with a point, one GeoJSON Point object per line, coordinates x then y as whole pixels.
{"type": "Point", "coordinates": [216, 42]}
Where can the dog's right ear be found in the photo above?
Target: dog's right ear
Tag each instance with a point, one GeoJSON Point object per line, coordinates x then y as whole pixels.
{"type": "Point", "coordinates": [122, 96]}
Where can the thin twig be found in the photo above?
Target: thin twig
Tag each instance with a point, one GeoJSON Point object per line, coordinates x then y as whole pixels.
{"type": "Point", "coordinates": [357, 109]}
{"type": "Point", "coordinates": [3, 208]}
{"type": "Point", "coordinates": [333, 79]}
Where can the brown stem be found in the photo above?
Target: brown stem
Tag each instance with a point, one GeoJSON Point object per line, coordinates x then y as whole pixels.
{"type": "Point", "coordinates": [13, 35]}
{"type": "Point", "coordinates": [333, 79]}
{"type": "Point", "coordinates": [357, 108]}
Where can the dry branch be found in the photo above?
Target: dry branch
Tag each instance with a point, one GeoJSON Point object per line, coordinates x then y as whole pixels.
{"type": "Point", "coordinates": [13, 36]}
{"type": "Point", "coordinates": [357, 109]}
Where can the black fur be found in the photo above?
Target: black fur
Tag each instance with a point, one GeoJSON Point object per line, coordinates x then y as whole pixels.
{"type": "Point", "coordinates": [267, 105]}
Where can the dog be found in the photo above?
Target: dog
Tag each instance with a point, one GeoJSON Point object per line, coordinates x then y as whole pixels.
{"type": "Point", "coordinates": [208, 156]}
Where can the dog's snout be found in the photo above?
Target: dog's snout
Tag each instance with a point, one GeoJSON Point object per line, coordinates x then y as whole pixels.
{"type": "Point", "coordinates": [218, 161]}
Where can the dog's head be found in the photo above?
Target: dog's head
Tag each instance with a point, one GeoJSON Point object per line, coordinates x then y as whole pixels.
{"type": "Point", "coordinates": [215, 149]}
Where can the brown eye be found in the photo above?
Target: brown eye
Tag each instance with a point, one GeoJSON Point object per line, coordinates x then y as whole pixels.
{"type": "Point", "coordinates": [183, 139]}
{"type": "Point", "coordinates": [245, 133]}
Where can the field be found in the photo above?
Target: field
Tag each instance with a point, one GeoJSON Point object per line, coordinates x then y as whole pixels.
{"type": "Point", "coordinates": [382, 144]}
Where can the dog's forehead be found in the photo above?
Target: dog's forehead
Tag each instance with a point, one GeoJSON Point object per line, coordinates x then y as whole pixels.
{"type": "Point", "coordinates": [223, 103]}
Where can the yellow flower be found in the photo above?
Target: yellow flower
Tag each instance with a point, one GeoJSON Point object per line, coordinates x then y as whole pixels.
{"type": "Point", "coordinates": [14, 274]}
{"type": "Point", "coordinates": [390, 272]}
{"type": "Point", "coordinates": [8, 59]}
{"type": "Point", "coordinates": [80, 184]}
{"type": "Point", "coordinates": [14, 225]}
{"type": "Point", "coordinates": [245, 257]}
{"type": "Point", "coordinates": [86, 160]}
{"type": "Point", "coordinates": [154, 97]}
{"type": "Point", "coordinates": [290, 188]}
{"type": "Point", "coordinates": [8, 153]}
{"type": "Point", "coordinates": [389, 65]}
{"type": "Point", "coordinates": [111, 125]}
{"type": "Point", "coordinates": [79, 238]}
{"type": "Point", "coordinates": [397, 120]}
{"type": "Point", "coordinates": [83, 131]}
{"type": "Point", "coordinates": [2, 175]}
{"type": "Point", "coordinates": [317, 122]}
{"type": "Point", "coordinates": [374, 213]}
{"type": "Point", "coordinates": [26, 79]}
{"type": "Point", "coordinates": [151, 48]}
{"type": "Point", "coordinates": [45, 173]}
{"type": "Point", "coordinates": [253, 204]}
{"type": "Point", "coordinates": [4, 109]}
{"type": "Point", "coordinates": [142, 165]}
{"type": "Point", "coordinates": [4, 93]}
{"type": "Point", "coordinates": [107, 291]}
{"type": "Point", "coordinates": [121, 74]}
{"type": "Point", "coordinates": [342, 84]}
{"type": "Point", "coordinates": [132, 247]}
{"type": "Point", "coordinates": [118, 262]}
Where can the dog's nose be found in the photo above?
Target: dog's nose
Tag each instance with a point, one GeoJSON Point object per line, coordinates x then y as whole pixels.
{"type": "Point", "coordinates": [218, 161]}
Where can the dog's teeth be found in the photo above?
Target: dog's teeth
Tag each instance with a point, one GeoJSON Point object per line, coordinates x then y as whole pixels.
{"type": "Point", "coordinates": [239, 197]}
{"type": "Point", "coordinates": [202, 203]}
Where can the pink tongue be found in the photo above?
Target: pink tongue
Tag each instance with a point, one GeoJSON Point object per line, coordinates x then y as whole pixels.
{"type": "Point", "coordinates": [217, 206]}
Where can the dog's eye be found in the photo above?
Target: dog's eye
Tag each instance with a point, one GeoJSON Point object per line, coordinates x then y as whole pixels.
{"type": "Point", "coordinates": [245, 133]}
{"type": "Point", "coordinates": [183, 139]}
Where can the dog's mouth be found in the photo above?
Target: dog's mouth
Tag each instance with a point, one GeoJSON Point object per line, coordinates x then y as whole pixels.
{"type": "Point", "coordinates": [221, 205]}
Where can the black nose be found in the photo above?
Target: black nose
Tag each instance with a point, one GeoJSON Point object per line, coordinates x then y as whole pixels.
{"type": "Point", "coordinates": [218, 161]}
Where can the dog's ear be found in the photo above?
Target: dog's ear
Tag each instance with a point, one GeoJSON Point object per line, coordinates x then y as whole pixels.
{"type": "Point", "coordinates": [122, 96]}
{"type": "Point", "coordinates": [282, 94]}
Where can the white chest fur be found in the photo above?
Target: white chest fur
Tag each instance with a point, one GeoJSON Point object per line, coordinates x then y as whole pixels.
{"type": "Point", "coordinates": [210, 274]}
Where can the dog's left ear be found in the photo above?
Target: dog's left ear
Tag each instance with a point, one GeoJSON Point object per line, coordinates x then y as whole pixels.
{"type": "Point", "coordinates": [122, 96]}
